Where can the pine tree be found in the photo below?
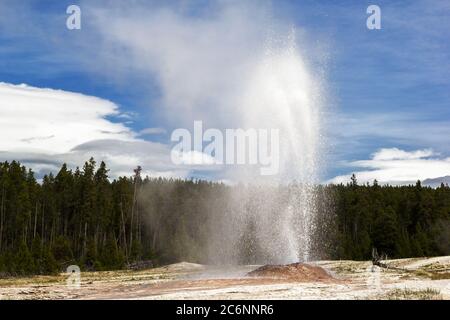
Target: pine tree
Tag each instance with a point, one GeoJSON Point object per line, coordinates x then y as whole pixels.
{"type": "Point", "coordinates": [385, 232]}
{"type": "Point", "coordinates": [23, 261]}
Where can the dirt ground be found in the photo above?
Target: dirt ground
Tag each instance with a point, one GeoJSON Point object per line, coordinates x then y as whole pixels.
{"type": "Point", "coordinates": [419, 278]}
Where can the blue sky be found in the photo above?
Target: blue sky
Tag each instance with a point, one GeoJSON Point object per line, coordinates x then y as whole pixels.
{"type": "Point", "coordinates": [387, 90]}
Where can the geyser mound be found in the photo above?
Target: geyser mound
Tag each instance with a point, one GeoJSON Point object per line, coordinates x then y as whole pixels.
{"type": "Point", "coordinates": [300, 272]}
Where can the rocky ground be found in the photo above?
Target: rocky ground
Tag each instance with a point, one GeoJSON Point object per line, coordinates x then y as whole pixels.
{"type": "Point", "coordinates": [419, 278]}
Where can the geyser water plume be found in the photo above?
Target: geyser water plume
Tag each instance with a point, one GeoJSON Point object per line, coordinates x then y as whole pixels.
{"type": "Point", "coordinates": [272, 219]}
{"type": "Point", "coordinates": [213, 67]}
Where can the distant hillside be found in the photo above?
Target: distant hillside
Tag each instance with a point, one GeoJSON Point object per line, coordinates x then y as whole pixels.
{"type": "Point", "coordinates": [436, 182]}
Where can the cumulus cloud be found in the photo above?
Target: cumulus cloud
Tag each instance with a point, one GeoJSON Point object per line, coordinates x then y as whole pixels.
{"type": "Point", "coordinates": [44, 128]}
{"type": "Point", "coordinates": [54, 121]}
{"type": "Point", "coordinates": [396, 166]}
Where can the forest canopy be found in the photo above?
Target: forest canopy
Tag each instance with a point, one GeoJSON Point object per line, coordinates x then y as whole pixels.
{"type": "Point", "coordinates": [82, 217]}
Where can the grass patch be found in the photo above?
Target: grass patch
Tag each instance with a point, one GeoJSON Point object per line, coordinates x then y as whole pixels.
{"type": "Point", "coordinates": [422, 273]}
{"type": "Point", "coordinates": [431, 275]}
{"type": "Point", "coordinates": [346, 267]}
{"type": "Point", "coordinates": [440, 276]}
{"type": "Point", "coordinates": [33, 280]}
{"type": "Point", "coordinates": [409, 294]}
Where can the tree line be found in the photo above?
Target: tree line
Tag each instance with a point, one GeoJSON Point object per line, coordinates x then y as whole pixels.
{"type": "Point", "coordinates": [400, 221]}
{"type": "Point", "coordinates": [82, 217]}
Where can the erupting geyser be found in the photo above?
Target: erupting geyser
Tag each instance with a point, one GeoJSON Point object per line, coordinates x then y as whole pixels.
{"type": "Point", "coordinates": [271, 219]}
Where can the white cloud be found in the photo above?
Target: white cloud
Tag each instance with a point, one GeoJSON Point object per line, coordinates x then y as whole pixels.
{"type": "Point", "coordinates": [151, 131]}
{"type": "Point", "coordinates": [395, 166]}
{"type": "Point", "coordinates": [193, 158]}
{"type": "Point", "coordinates": [123, 156]}
{"type": "Point", "coordinates": [397, 154]}
{"type": "Point", "coordinates": [54, 121]}
{"type": "Point", "coordinates": [364, 132]}
{"type": "Point", "coordinates": [44, 128]}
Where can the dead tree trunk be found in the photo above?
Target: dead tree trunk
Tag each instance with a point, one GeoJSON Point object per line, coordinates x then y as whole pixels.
{"type": "Point", "coordinates": [377, 259]}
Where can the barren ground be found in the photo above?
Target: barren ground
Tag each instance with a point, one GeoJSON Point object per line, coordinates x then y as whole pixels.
{"type": "Point", "coordinates": [418, 278]}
